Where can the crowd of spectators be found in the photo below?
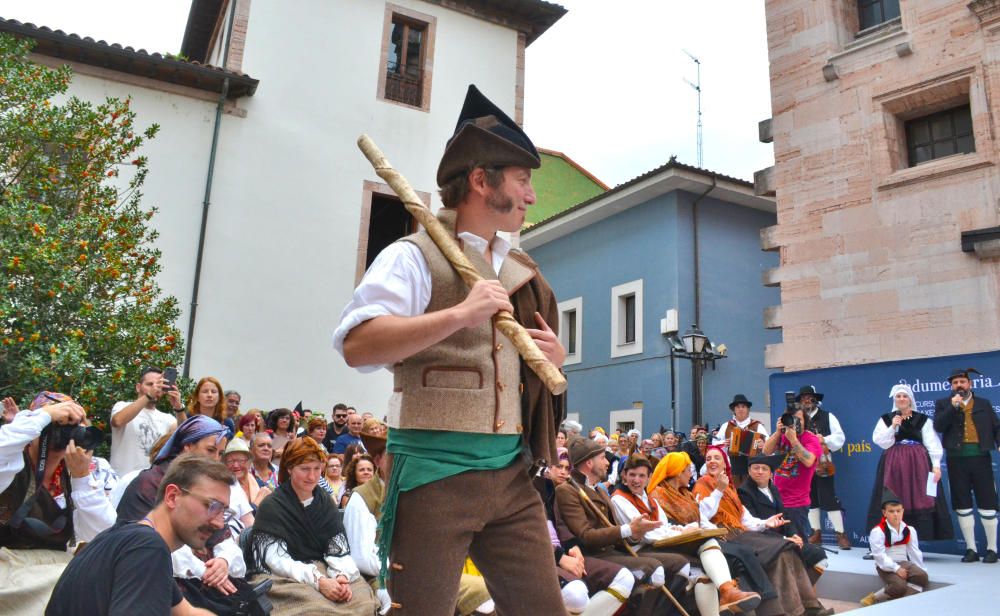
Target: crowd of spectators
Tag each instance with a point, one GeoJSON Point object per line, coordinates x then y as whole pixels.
{"type": "Point", "coordinates": [255, 511]}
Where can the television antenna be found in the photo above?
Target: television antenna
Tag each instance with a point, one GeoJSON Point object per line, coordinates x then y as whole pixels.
{"type": "Point", "coordinates": [697, 88]}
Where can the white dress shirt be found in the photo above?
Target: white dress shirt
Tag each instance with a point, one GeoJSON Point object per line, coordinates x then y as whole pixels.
{"type": "Point", "coordinates": [886, 559]}
{"type": "Point", "coordinates": [709, 506]}
{"type": "Point", "coordinates": [92, 510]}
{"type": "Point", "coordinates": [837, 437]}
{"type": "Point", "coordinates": [625, 512]}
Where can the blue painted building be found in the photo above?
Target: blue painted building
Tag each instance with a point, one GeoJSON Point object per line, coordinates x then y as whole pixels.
{"type": "Point", "coordinates": [619, 261]}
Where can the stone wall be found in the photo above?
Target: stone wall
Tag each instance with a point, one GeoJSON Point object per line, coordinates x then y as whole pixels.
{"type": "Point", "coordinates": [871, 262]}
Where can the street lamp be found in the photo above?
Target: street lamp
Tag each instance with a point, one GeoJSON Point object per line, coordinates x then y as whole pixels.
{"type": "Point", "coordinates": [695, 346]}
{"type": "Point", "coordinates": [694, 341]}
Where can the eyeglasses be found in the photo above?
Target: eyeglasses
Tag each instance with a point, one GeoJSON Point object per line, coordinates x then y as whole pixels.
{"type": "Point", "coordinates": [213, 506]}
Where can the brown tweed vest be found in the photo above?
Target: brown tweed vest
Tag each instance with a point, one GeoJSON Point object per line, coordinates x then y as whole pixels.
{"type": "Point", "coordinates": [470, 381]}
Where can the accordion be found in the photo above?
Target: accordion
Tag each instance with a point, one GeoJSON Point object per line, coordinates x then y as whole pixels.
{"type": "Point", "coordinates": [744, 442]}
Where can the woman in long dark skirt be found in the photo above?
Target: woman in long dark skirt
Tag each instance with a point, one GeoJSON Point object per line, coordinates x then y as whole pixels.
{"type": "Point", "coordinates": [912, 454]}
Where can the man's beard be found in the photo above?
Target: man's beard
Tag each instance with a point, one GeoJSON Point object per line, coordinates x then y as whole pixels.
{"type": "Point", "coordinates": [960, 391]}
{"type": "Point", "coordinates": [500, 202]}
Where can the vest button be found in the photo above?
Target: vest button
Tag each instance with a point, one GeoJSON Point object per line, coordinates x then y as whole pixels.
{"type": "Point", "coordinates": [499, 386]}
{"type": "Point", "coordinates": [499, 347]}
{"type": "Point", "coordinates": [500, 424]}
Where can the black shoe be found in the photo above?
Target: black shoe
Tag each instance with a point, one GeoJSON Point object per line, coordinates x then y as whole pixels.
{"type": "Point", "coordinates": [970, 556]}
{"type": "Point", "coordinates": [991, 557]}
{"type": "Point", "coordinates": [868, 556]}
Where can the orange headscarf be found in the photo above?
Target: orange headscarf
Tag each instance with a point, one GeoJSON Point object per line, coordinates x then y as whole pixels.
{"type": "Point", "coordinates": [671, 465]}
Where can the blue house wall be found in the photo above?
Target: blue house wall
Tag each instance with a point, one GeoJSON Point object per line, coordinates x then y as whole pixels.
{"type": "Point", "coordinates": [652, 242]}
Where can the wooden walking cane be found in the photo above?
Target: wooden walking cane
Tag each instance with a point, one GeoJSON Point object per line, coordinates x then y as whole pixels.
{"type": "Point", "coordinates": [503, 320]}
{"type": "Point", "coordinates": [604, 520]}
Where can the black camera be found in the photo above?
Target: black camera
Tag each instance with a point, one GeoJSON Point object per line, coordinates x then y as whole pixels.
{"type": "Point", "coordinates": [790, 420]}
{"type": "Point", "coordinates": [88, 438]}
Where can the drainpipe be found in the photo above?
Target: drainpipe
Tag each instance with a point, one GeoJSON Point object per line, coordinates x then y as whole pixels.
{"type": "Point", "coordinates": [219, 109]}
{"type": "Point", "coordinates": [697, 367]}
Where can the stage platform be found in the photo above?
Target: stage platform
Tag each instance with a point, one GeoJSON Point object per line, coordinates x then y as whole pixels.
{"type": "Point", "coordinates": [968, 589]}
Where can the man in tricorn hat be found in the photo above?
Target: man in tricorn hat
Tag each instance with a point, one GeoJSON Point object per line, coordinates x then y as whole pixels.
{"type": "Point", "coordinates": [465, 415]}
{"type": "Point", "coordinates": [823, 495]}
{"type": "Point", "coordinates": [970, 430]}
{"type": "Point", "coordinates": [740, 406]}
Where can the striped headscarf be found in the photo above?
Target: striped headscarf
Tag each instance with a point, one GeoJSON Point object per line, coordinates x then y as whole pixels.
{"type": "Point", "coordinates": [192, 430]}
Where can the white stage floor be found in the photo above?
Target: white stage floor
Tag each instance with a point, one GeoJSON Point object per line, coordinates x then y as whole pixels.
{"type": "Point", "coordinates": [965, 589]}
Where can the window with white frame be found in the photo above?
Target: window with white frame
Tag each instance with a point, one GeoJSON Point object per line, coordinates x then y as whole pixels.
{"type": "Point", "coordinates": [571, 329]}
{"type": "Point", "coordinates": [626, 319]}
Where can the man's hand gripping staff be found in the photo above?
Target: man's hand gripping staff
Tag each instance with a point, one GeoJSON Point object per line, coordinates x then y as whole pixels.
{"type": "Point", "coordinates": [503, 320]}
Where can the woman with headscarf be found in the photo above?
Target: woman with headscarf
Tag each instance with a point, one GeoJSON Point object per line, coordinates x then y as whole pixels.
{"type": "Point", "coordinates": [299, 543]}
{"type": "Point", "coordinates": [911, 455]}
{"type": "Point", "coordinates": [197, 434]}
{"type": "Point", "coordinates": [669, 487]}
{"type": "Point", "coordinates": [714, 591]}
{"type": "Point", "coordinates": [786, 570]}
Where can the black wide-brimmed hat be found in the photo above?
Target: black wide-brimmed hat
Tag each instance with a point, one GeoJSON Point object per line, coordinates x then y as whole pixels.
{"type": "Point", "coordinates": [963, 372]}
{"type": "Point", "coordinates": [811, 390]}
{"type": "Point", "coordinates": [774, 460]}
{"type": "Point", "coordinates": [739, 399]}
{"type": "Point", "coordinates": [485, 136]}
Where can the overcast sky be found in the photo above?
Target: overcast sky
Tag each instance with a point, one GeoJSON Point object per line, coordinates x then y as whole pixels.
{"type": "Point", "coordinates": [604, 84]}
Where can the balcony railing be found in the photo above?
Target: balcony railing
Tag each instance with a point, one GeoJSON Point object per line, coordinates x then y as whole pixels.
{"type": "Point", "coordinates": [404, 83]}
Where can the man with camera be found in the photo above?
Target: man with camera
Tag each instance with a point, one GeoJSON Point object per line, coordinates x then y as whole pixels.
{"type": "Point", "coordinates": [136, 425]}
{"type": "Point", "coordinates": [47, 498]}
{"type": "Point", "coordinates": [826, 426]}
{"type": "Point", "coordinates": [126, 569]}
{"type": "Point", "coordinates": [970, 430]}
{"type": "Point", "coordinates": [801, 450]}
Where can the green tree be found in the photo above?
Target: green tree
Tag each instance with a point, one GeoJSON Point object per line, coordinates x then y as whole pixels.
{"type": "Point", "coordinates": [80, 309]}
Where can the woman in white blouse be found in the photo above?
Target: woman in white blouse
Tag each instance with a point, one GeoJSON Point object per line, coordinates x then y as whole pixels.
{"type": "Point", "coordinates": [911, 467]}
{"type": "Point", "coordinates": [298, 542]}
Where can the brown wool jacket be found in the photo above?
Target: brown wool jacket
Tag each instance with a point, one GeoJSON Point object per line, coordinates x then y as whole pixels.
{"type": "Point", "coordinates": [576, 518]}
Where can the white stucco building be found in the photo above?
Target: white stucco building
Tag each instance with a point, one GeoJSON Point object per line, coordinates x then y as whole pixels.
{"type": "Point", "coordinates": [290, 216]}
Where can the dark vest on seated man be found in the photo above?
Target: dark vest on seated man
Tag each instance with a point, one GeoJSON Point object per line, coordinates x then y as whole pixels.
{"type": "Point", "coordinates": [760, 506]}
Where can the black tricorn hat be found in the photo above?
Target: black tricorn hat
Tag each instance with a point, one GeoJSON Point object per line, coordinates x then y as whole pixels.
{"type": "Point", "coordinates": [964, 372]}
{"type": "Point", "coordinates": [811, 390]}
{"type": "Point", "coordinates": [889, 497]}
{"type": "Point", "coordinates": [773, 460]}
{"type": "Point", "coordinates": [739, 399]}
{"type": "Point", "coordinates": [486, 136]}
{"type": "Point", "coordinates": [298, 408]}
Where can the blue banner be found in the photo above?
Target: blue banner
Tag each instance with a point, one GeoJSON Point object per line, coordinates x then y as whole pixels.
{"type": "Point", "coordinates": [858, 396]}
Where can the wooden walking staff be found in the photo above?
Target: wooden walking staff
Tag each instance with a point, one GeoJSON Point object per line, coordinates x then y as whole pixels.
{"type": "Point", "coordinates": [503, 320]}
{"type": "Point", "coordinates": [604, 520]}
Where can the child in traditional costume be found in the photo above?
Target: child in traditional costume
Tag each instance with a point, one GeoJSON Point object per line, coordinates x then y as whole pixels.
{"type": "Point", "coordinates": [898, 560]}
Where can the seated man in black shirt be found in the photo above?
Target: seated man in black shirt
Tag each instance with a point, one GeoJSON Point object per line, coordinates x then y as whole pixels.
{"type": "Point", "coordinates": [126, 569]}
